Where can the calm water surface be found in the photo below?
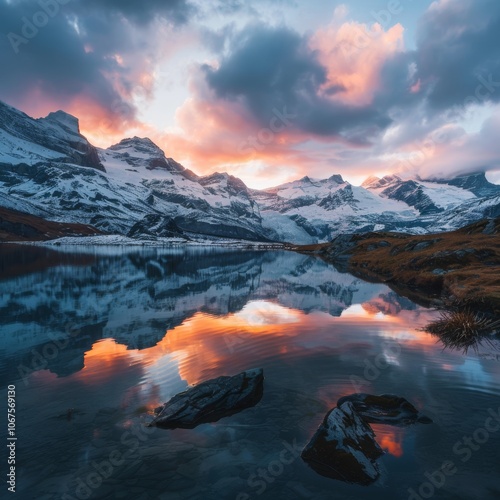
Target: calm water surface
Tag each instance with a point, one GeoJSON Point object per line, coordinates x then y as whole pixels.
{"type": "Point", "coordinates": [93, 338]}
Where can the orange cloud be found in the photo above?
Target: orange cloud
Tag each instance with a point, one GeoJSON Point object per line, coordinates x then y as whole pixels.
{"type": "Point", "coordinates": [217, 135]}
{"type": "Point", "coordinates": [354, 54]}
{"type": "Point", "coordinates": [213, 134]}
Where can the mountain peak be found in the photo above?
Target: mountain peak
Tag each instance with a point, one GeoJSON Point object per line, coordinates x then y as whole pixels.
{"type": "Point", "coordinates": [375, 182]}
{"type": "Point", "coordinates": [141, 145]}
{"type": "Point", "coordinates": [391, 178]}
{"type": "Point", "coordinates": [336, 178]}
{"type": "Point", "coordinates": [136, 141]}
{"type": "Point", "coordinates": [142, 151]}
{"type": "Point", "coordinates": [65, 119]}
{"type": "Point", "coordinates": [234, 184]}
{"type": "Point", "coordinates": [370, 181]}
{"type": "Point", "coordinates": [141, 140]}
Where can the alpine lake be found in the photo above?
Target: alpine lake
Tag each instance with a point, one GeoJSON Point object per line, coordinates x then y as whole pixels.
{"type": "Point", "coordinates": [95, 338]}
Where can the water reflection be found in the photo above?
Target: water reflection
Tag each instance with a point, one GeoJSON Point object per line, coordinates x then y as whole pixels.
{"type": "Point", "coordinates": [390, 439]}
{"type": "Point", "coordinates": [135, 297]}
{"type": "Point", "coordinates": [132, 328]}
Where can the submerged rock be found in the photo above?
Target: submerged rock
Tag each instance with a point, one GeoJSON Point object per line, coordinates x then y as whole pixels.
{"type": "Point", "coordinates": [344, 447]}
{"type": "Point", "coordinates": [211, 401]}
{"type": "Point", "coordinates": [385, 409]}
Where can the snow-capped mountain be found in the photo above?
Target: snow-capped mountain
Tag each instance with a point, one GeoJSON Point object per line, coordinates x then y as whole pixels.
{"type": "Point", "coordinates": [425, 196]}
{"type": "Point", "coordinates": [466, 213]}
{"type": "Point", "coordinates": [55, 138]}
{"type": "Point", "coordinates": [325, 207]}
{"type": "Point", "coordinates": [48, 169]}
{"type": "Point", "coordinates": [218, 205]}
{"type": "Point", "coordinates": [44, 173]}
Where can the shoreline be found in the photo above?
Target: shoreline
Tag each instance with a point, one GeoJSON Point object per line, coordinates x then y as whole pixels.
{"type": "Point", "coordinates": [124, 241]}
{"type": "Point", "coordinates": [456, 269]}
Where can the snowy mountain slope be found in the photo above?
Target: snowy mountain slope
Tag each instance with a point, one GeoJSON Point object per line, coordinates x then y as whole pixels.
{"type": "Point", "coordinates": [69, 193]}
{"type": "Point", "coordinates": [21, 205]}
{"type": "Point", "coordinates": [42, 163]}
{"type": "Point", "coordinates": [15, 150]}
{"type": "Point", "coordinates": [426, 196]}
{"type": "Point", "coordinates": [48, 169]}
{"type": "Point", "coordinates": [24, 140]}
{"type": "Point", "coordinates": [215, 205]}
{"type": "Point", "coordinates": [324, 207]}
{"type": "Point", "coordinates": [137, 159]}
{"type": "Point", "coordinates": [475, 183]}
{"type": "Point", "coordinates": [467, 213]}
{"type": "Point", "coordinates": [44, 171]}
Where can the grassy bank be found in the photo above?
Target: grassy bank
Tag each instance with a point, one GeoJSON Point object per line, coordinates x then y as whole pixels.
{"type": "Point", "coordinates": [458, 267]}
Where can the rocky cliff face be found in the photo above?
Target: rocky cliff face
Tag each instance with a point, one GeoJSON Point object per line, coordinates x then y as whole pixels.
{"type": "Point", "coordinates": [56, 137]}
{"type": "Point", "coordinates": [411, 193]}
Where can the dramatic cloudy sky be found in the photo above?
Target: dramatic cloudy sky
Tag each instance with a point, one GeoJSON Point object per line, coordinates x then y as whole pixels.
{"type": "Point", "coordinates": [269, 90]}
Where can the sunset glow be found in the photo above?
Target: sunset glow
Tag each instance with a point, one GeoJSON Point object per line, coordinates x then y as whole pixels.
{"type": "Point", "coordinates": [242, 338]}
{"type": "Point", "coordinates": [206, 83]}
{"type": "Point", "coordinates": [390, 439]}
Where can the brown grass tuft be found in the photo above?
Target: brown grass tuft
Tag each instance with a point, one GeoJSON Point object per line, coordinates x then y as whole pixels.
{"type": "Point", "coordinates": [463, 329]}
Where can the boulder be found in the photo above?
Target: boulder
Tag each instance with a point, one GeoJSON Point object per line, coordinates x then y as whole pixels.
{"type": "Point", "coordinates": [344, 447]}
{"type": "Point", "coordinates": [211, 401]}
{"type": "Point", "coordinates": [385, 409]}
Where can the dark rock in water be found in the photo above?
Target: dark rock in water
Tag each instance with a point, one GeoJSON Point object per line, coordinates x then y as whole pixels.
{"type": "Point", "coordinates": [385, 409]}
{"type": "Point", "coordinates": [211, 401]}
{"type": "Point", "coordinates": [344, 448]}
